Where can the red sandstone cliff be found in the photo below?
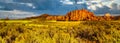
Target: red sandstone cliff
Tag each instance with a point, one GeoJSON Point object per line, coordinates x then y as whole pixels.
{"type": "Point", "coordinates": [81, 15]}
{"type": "Point", "coordinates": [77, 15]}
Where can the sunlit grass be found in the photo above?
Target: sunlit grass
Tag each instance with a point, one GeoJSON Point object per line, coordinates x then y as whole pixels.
{"type": "Point", "coordinates": [28, 31]}
{"type": "Point", "coordinates": [13, 21]}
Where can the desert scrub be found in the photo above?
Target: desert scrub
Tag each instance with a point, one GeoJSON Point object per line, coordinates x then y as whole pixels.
{"type": "Point", "coordinates": [2, 40]}
{"type": "Point", "coordinates": [101, 31]}
{"type": "Point", "coordinates": [60, 32]}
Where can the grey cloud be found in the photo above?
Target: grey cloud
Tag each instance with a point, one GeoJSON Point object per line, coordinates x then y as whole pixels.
{"type": "Point", "coordinates": [114, 10]}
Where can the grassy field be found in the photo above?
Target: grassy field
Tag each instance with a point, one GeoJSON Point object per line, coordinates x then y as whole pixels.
{"type": "Point", "coordinates": [30, 31]}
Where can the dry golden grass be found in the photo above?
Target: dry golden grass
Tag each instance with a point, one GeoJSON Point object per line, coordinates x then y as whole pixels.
{"type": "Point", "coordinates": [59, 31]}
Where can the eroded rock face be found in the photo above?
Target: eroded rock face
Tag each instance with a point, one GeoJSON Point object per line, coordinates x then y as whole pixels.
{"type": "Point", "coordinates": [108, 16]}
{"type": "Point", "coordinates": [59, 18]}
{"type": "Point", "coordinates": [51, 18]}
{"type": "Point", "coordinates": [81, 15]}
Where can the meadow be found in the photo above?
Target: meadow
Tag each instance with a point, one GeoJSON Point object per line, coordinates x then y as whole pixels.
{"type": "Point", "coordinates": [32, 31]}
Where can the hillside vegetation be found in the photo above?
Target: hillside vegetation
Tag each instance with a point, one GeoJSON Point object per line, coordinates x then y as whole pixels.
{"type": "Point", "coordinates": [60, 32]}
{"type": "Point", "coordinates": [78, 26]}
{"type": "Point", "coordinates": [77, 15]}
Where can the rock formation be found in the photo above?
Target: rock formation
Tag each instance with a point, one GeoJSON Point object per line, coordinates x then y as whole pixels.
{"type": "Point", "coordinates": [108, 16]}
{"type": "Point", "coordinates": [77, 15]}
{"type": "Point", "coordinates": [58, 18]}
{"type": "Point", "coordinates": [81, 15]}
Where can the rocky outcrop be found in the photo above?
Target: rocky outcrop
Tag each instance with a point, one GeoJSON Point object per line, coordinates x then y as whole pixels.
{"type": "Point", "coordinates": [77, 15]}
{"type": "Point", "coordinates": [81, 15]}
{"type": "Point", "coordinates": [108, 16]}
{"type": "Point", "coordinates": [58, 18]}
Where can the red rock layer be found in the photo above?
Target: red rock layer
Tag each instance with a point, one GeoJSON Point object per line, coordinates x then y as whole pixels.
{"type": "Point", "coordinates": [82, 14]}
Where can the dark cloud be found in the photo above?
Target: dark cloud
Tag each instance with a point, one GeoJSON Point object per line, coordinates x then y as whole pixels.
{"type": "Point", "coordinates": [52, 6]}
{"type": "Point", "coordinates": [105, 9]}
{"type": "Point", "coordinates": [42, 4]}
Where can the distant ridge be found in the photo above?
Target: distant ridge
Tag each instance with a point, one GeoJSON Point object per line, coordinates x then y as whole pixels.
{"type": "Point", "coordinates": [76, 15]}
{"type": "Point", "coordinates": [82, 14]}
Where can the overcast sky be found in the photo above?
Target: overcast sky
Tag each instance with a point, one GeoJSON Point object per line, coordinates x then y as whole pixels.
{"type": "Point", "coordinates": [58, 6]}
{"type": "Point", "coordinates": [42, 4]}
